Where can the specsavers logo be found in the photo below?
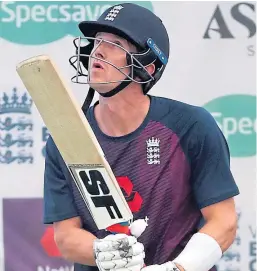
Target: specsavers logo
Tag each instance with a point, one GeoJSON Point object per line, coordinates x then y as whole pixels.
{"type": "Point", "coordinates": [236, 116]}
{"type": "Point", "coordinates": [39, 22]}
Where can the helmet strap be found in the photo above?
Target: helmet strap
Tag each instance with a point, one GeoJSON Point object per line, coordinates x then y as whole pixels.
{"type": "Point", "coordinates": [110, 93]}
{"type": "Point", "coordinates": [116, 90]}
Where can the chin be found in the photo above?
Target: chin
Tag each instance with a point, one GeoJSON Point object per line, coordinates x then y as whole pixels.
{"type": "Point", "coordinates": [101, 88]}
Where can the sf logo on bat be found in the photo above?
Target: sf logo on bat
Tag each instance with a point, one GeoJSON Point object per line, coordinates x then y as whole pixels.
{"type": "Point", "coordinates": [100, 194]}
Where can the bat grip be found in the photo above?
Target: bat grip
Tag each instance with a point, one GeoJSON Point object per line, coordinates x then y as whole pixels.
{"type": "Point", "coordinates": [120, 228]}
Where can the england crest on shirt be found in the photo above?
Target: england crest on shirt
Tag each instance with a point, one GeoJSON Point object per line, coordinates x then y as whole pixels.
{"type": "Point", "coordinates": [153, 151]}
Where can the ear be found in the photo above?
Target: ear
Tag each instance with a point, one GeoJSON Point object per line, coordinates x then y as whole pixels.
{"type": "Point", "coordinates": [150, 68]}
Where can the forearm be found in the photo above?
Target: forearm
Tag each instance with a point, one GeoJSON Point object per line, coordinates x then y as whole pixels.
{"type": "Point", "coordinates": [77, 246]}
{"type": "Point", "coordinates": [223, 232]}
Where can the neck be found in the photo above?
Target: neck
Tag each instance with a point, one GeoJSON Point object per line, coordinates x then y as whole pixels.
{"type": "Point", "coordinates": [123, 113]}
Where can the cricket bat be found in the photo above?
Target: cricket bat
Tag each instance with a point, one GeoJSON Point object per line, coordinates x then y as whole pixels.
{"type": "Point", "coordinates": [75, 141]}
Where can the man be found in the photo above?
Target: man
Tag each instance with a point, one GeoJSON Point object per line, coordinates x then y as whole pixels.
{"type": "Point", "coordinates": [174, 154]}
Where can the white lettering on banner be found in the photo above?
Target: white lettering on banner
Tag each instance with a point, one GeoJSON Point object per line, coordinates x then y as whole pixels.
{"type": "Point", "coordinates": [8, 11]}
{"type": "Point", "coordinates": [49, 13]}
{"type": "Point", "coordinates": [52, 13]}
{"type": "Point", "coordinates": [38, 11]}
{"type": "Point", "coordinates": [231, 125]}
{"type": "Point", "coordinates": [80, 14]}
{"type": "Point", "coordinates": [245, 125]}
{"type": "Point", "coordinates": [64, 10]}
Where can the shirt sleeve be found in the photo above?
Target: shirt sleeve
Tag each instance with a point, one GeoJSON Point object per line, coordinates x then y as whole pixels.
{"type": "Point", "coordinates": [210, 163]}
{"type": "Point", "coordinates": [58, 197]}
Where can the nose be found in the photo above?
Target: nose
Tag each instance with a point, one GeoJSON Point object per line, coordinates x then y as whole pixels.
{"type": "Point", "coordinates": [99, 54]}
{"type": "Point", "coordinates": [99, 51]}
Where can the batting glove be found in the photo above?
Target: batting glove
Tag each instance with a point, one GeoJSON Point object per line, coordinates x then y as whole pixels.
{"type": "Point", "coordinates": [119, 252]}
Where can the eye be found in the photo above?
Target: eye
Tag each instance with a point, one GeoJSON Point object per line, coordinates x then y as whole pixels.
{"type": "Point", "coordinates": [118, 43]}
{"type": "Point", "coordinates": [97, 41]}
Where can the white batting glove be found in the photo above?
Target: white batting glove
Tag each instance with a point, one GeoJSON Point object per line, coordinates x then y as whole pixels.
{"type": "Point", "coordinates": [119, 252]}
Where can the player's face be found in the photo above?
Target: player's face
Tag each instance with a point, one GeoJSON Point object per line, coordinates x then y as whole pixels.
{"type": "Point", "coordinates": [101, 71]}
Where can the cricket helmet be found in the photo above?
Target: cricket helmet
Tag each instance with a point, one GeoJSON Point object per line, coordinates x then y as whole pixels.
{"type": "Point", "coordinates": [139, 26]}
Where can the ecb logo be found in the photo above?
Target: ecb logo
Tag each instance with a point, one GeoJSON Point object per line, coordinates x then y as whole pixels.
{"type": "Point", "coordinates": [16, 127]}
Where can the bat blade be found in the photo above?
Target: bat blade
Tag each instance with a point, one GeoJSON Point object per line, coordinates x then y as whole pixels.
{"type": "Point", "coordinates": [75, 141]}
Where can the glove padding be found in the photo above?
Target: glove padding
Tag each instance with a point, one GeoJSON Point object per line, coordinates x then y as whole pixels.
{"type": "Point", "coordinates": [119, 252]}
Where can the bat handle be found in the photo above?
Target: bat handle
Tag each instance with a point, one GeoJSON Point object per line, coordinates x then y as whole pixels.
{"type": "Point", "coordinates": [136, 228]}
{"type": "Point", "coordinates": [120, 228]}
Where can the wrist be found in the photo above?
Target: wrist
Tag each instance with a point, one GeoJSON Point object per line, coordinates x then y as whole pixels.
{"type": "Point", "coordinates": [201, 253]}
